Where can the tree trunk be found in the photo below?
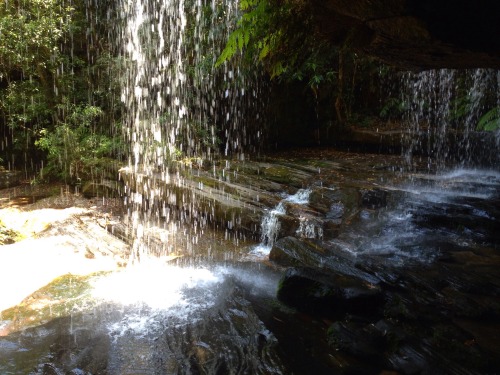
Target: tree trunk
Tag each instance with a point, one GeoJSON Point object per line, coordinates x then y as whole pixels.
{"type": "Point", "coordinates": [339, 101]}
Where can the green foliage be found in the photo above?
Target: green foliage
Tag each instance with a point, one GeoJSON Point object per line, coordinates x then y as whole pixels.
{"type": "Point", "coordinates": [468, 109]}
{"type": "Point", "coordinates": [56, 92]}
{"type": "Point", "coordinates": [255, 17]}
{"type": "Point", "coordinates": [282, 36]}
{"type": "Point", "coordinates": [74, 150]}
{"type": "Point", "coordinates": [32, 36]}
{"type": "Point", "coordinates": [194, 138]}
{"type": "Point", "coordinates": [393, 108]}
{"type": "Point", "coordinates": [25, 103]}
{"type": "Point", "coordinates": [490, 121]}
{"type": "Point", "coordinates": [460, 107]}
{"type": "Point", "coordinates": [287, 40]}
{"type": "Point", "coordinates": [30, 32]}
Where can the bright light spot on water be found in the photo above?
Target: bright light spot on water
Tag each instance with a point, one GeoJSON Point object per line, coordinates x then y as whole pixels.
{"type": "Point", "coordinates": [153, 283]}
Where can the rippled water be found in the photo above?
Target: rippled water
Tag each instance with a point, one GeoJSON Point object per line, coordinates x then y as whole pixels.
{"type": "Point", "coordinates": [433, 212]}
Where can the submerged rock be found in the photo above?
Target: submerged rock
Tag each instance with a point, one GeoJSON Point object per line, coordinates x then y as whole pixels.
{"type": "Point", "coordinates": [365, 342]}
{"type": "Point", "coordinates": [231, 340]}
{"type": "Point", "coordinates": [374, 199]}
{"type": "Point", "coordinates": [329, 294]}
{"type": "Point", "coordinates": [291, 251]}
{"type": "Point", "coordinates": [225, 336]}
{"type": "Point", "coordinates": [302, 252]}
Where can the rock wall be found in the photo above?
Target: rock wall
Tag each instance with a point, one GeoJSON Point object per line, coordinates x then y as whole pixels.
{"type": "Point", "coordinates": [9, 178]}
{"type": "Point", "coordinates": [416, 34]}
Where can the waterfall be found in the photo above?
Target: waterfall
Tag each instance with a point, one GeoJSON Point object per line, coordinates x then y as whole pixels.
{"type": "Point", "coordinates": [447, 112]}
{"type": "Point", "coordinates": [270, 225]}
{"type": "Point", "coordinates": [179, 111]}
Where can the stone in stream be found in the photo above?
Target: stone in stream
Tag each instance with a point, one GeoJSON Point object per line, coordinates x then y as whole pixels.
{"type": "Point", "coordinates": [226, 337]}
{"type": "Point", "coordinates": [367, 343]}
{"type": "Point", "coordinates": [292, 252]}
{"type": "Point", "coordinates": [321, 199]}
{"type": "Point", "coordinates": [329, 294]}
{"type": "Point", "coordinates": [374, 199]}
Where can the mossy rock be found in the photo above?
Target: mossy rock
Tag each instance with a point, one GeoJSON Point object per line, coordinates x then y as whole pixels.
{"type": "Point", "coordinates": [56, 299]}
{"type": "Point", "coordinates": [278, 174]}
{"type": "Point", "coordinates": [321, 199]}
{"type": "Point", "coordinates": [291, 251]}
{"type": "Point", "coordinates": [8, 236]}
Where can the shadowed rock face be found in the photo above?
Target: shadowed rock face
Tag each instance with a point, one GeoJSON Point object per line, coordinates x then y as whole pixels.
{"type": "Point", "coordinates": [9, 178]}
{"type": "Point", "coordinates": [416, 34]}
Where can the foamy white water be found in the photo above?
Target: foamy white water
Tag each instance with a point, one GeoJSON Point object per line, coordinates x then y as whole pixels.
{"type": "Point", "coordinates": [153, 284]}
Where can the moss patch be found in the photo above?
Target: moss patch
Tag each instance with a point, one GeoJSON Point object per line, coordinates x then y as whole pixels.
{"type": "Point", "coordinates": [8, 236]}
{"type": "Point", "coordinates": [59, 298]}
{"type": "Point", "coordinates": [278, 174]}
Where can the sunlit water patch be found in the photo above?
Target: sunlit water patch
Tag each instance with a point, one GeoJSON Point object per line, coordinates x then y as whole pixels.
{"type": "Point", "coordinates": [151, 318]}
{"type": "Point", "coordinates": [151, 292]}
{"type": "Point", "coordinates": [152, 284]}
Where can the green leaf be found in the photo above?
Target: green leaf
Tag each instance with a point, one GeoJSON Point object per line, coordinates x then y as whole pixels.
{"type": "Point", "coordinates": [490, 121]}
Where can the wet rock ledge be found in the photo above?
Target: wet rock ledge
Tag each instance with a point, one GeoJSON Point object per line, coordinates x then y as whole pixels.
{"type": "Point", "coordinates": [377, 314]}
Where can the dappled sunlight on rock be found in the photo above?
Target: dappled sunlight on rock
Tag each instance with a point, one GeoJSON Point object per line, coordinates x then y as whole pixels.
{"type": "Point", "coordinates": [53, 242]}
{"type": "Point", "coordinates": [31, 264]}
{"type": "Point", "coordinates": [31, 223]}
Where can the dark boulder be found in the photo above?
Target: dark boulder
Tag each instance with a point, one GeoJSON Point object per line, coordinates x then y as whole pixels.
{"type": "Point", "coordinates": [291, 251]}
{"type": "Point", "coordinates": [365, 342]}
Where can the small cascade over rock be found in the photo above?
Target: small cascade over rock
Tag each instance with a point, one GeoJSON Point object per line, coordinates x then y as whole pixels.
{"type": "Point", "coordinates": [270, 225]}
